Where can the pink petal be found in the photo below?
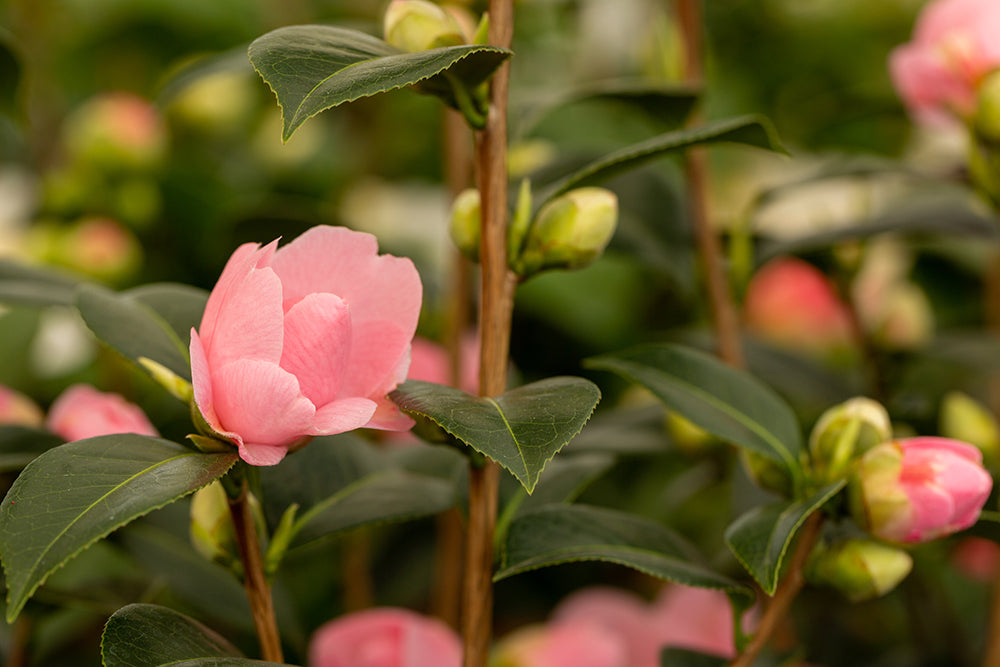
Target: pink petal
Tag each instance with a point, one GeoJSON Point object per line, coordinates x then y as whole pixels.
{"type": "Point", "coordinates": [201, 381]}
{"type": "Point", "coordinates": [344, 262]}
{"type": "Point", "coordinates": [250, 323]}
{"type": "Point", "coordinates": [935, 445]}
{"type": "Point", "coordinates": [317, 345]}
{"type": "Point", "coordinates": [84, 412]}
{"type": "Point", "coordinates": [344, 415]}
{"type": "Point", "coordinates": [262, 455]}
{"type": "Point", "coordinates": [245, 258]}
{"type": "Point", "coordinates": [380, 358]}
{"type": "Point", "coordinates": [388, 417]}
{"type": "Point", "coordinates": [261, 403]}
{"type": "Point", "coordinates": [932, 512]}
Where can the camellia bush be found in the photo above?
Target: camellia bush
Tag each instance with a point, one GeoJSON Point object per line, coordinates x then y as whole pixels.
{"type": "Point", "coordinates": [586, 334]}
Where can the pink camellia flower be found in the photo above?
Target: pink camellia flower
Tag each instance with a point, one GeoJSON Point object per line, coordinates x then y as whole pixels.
{"type": "Point", "coordinates": [385, 637]}
{"type": "Point", "coordinates": [84, 412]}
{"type": "Point", "coordinates": [304, 340]}
{"type": "Point", "coordinates": [977, 558]}
{"type": "Point", "coordinates": [697, 619]}
{"type": "Point", "coordinates": [579, 643]}
{"type": "Point", "coordinates": [919, 489]}
{"type": "Point", "coordinates": [954, 46]}
{"type": "Point", "coordinates": [430, 363]}
{"type": "Point", "coordinates": [17, 409]}
{"type": "Point", "coordinates": [624, 613]}
{"type": "Point", "coordinates": [791, 303]}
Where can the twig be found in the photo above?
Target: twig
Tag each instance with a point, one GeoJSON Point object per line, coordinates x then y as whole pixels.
{"type": "Point", "coordinates": [254, 580]}
{"type": "Point", "coordinates": [789, 587]}
{"type": "Point", "coordinates": [495, 310]}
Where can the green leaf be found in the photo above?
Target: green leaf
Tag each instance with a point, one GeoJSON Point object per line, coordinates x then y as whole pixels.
{"type": "Point", "coordinates": [724, 401]}
{"type": "Point", "coordinates": [521, 429]}
{"type": "Point", "coordinates": [312, 68]}
{"type": "Point", "coordinates": [35, 286]}
{"type": "Point", "coordinates": [559, 534]}
{"type": "Point", "coordinates": [75, 494]}
{"type": "Point", "coordinates": [750, 130]}
{"type": "Point", "coordinates": [147, 635]}
{"type": "Point", "coordinates": [19, 445]}
{"type": "Point", "coordinates": [133, 328]}
{"type": "Point", "coordinates": [379, 498]}
{"type": "Point", "coordinates": [180, 306]}
{"type": "Point", "coordinates": [761, 537]}
{"type": "Point", "coordinates": [679, 657]}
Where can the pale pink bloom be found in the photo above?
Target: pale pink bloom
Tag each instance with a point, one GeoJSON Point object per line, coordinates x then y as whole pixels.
{"type": "Point", "coordinates": [623, 613]}
{"type": "Point", "coordinates": [17, 409]}
{"type": "Point", "coordinates": [977, 558]}
{"type": "Point", "coordinates": [791, 303]}
{"type": "Point", "coordinates": [697, 619]}
{"type": "Point", "coordinates": [385, 637]}
{"type": "Point", "coordinates": [430, 362]}
{"type": "Point", "coordinates": [919, 489]}
{"type": "Point", "coordinates": [575, 643]}
{"type": "Point", "coordinates": [304, 340]}
{"type": "Point", "coordinates": [954, 46]}
{"type": "Point", "coordinates": [84, 412]}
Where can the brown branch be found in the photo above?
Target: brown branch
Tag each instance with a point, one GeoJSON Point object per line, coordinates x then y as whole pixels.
{"type": "Point", "coordinates": [777, 607]}
{"type": "Point", "coordinates": [495, 310]}
{"type": "Point", "coordinates": [991, 293]}
{"type": "Point", "coordinates": [255, 582]}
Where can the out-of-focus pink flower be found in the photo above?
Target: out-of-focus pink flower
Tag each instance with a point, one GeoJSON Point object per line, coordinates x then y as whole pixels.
{"type": "Point", "coordinates": [385, 637]}
{"type": "Point", "coordinates": [977, 558]}
{"type": "Point", "coordinates": [791, 303]}
{"type": "Point", "coordinates": [116, 129]}
{"type": "Point", "coordinates": [954, 46]}
{"type": "Point", "coordinates": [84, 412]}
{"type": "Point", "coordinates": [17, 409]}
{"type": "Point", "coordinates": [697, 619]}
{"type": "Point", "coordinates": [621, 612]}
{"type": "Point", "coordinates": [919, 489]}
{"type": "Point", "coordinates": [579, 643]}
{"type": "Point", "coordinates": [429, 362]}
{"type": "Point", "coordinates": [304, 340]}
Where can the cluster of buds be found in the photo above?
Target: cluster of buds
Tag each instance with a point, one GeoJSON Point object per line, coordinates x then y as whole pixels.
{"type": "Point", "coordinates": [567, 232]}
{"type": "Point", "coordinates": [900, 492]}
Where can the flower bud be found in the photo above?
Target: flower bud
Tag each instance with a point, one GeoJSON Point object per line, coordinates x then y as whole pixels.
{"type": "Point", "coordinates": [211, 527]}
{"type": "Point", "coordinates": [17, 409]}
{"type": "Point", "coordinates": [688, 436]}
{"type": "Point", "coordinates": [918, 489]}
{"type": "Point", "coordinates": [844, 431]}
{"type": "Point", "coordinates": [963, 418]}
{"type": "Point", "coordinates": [466, 214]}
{"type": "Point", "coordinates": [766, 473]}
{"type": "Point", "coordinates": [116, 131]}
{"type": "Point", "coordinates": [861, 569]}
{"type": "Point", "coordinates": [570, 231]}
{"type": "Point", "coordinates": [418, 25]}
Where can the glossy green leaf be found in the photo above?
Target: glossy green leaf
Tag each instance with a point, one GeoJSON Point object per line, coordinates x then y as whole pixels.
{"type": "Point", "coordinates": [75, 494]}
{"type": "Point", "coordinates": [521, 429]}
{"type": "Point", "coordinates": [760, 539]}
{"type": "Point", "coordinates": [558, 534]}
{"type": "Point", "coordinates": [34, 286]}
{"type": "Point", "coordinates": [19, 445]}
{"type": "Point", "coordinates": [749, 130]}
{"type": "Point", "coordinates": [379, 498]}
{"type": "Point", "coordinates": [134, 329]}
{"type": "Point", "coordinates": [724, 401]}
{"type": "Point", "coordinates": [312, 68]}
{"type": "Point", "coordinates": [180, 306]}
{"type": "Point", "coordinates": [678, 657]}
{"type": "Point", "coordinates": [147, 635]}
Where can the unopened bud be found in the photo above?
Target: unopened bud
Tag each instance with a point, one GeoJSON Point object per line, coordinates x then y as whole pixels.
{"type": "Point", "coordinates": [466, 215]}
{"type": "Point", "coordinates": [844, 432]}
{"type": "Point", "coordinates": [766, 473]}
{"type": "Point", "coordinates": [861, 569]}
{"type": "Point", "coordinates": [418, 25]}
{"type": "Point", "coordinates": [963, 418]}
{"type": "Point", "coordinates": [570, 231]}
{"type": "Point", "coordinates": [688, 436]}
{"type": "Point", "coordinates": [212, 532]}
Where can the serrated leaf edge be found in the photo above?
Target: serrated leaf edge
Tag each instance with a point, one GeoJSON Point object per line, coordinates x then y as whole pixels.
{"type": "Point", "coordinates": [14, 611]}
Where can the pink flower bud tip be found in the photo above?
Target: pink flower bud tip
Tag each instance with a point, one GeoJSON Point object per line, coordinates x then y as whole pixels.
{"type": "Point", "coordinates": [919, 489]}
{"type": "Point", "coordinates": [84, 412]}
{"type": "Point", "coordinates": [304, 340]}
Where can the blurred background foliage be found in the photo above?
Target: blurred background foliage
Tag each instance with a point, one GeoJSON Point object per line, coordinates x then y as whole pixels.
{"type": "Point", "coordinates": [137, 144]}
